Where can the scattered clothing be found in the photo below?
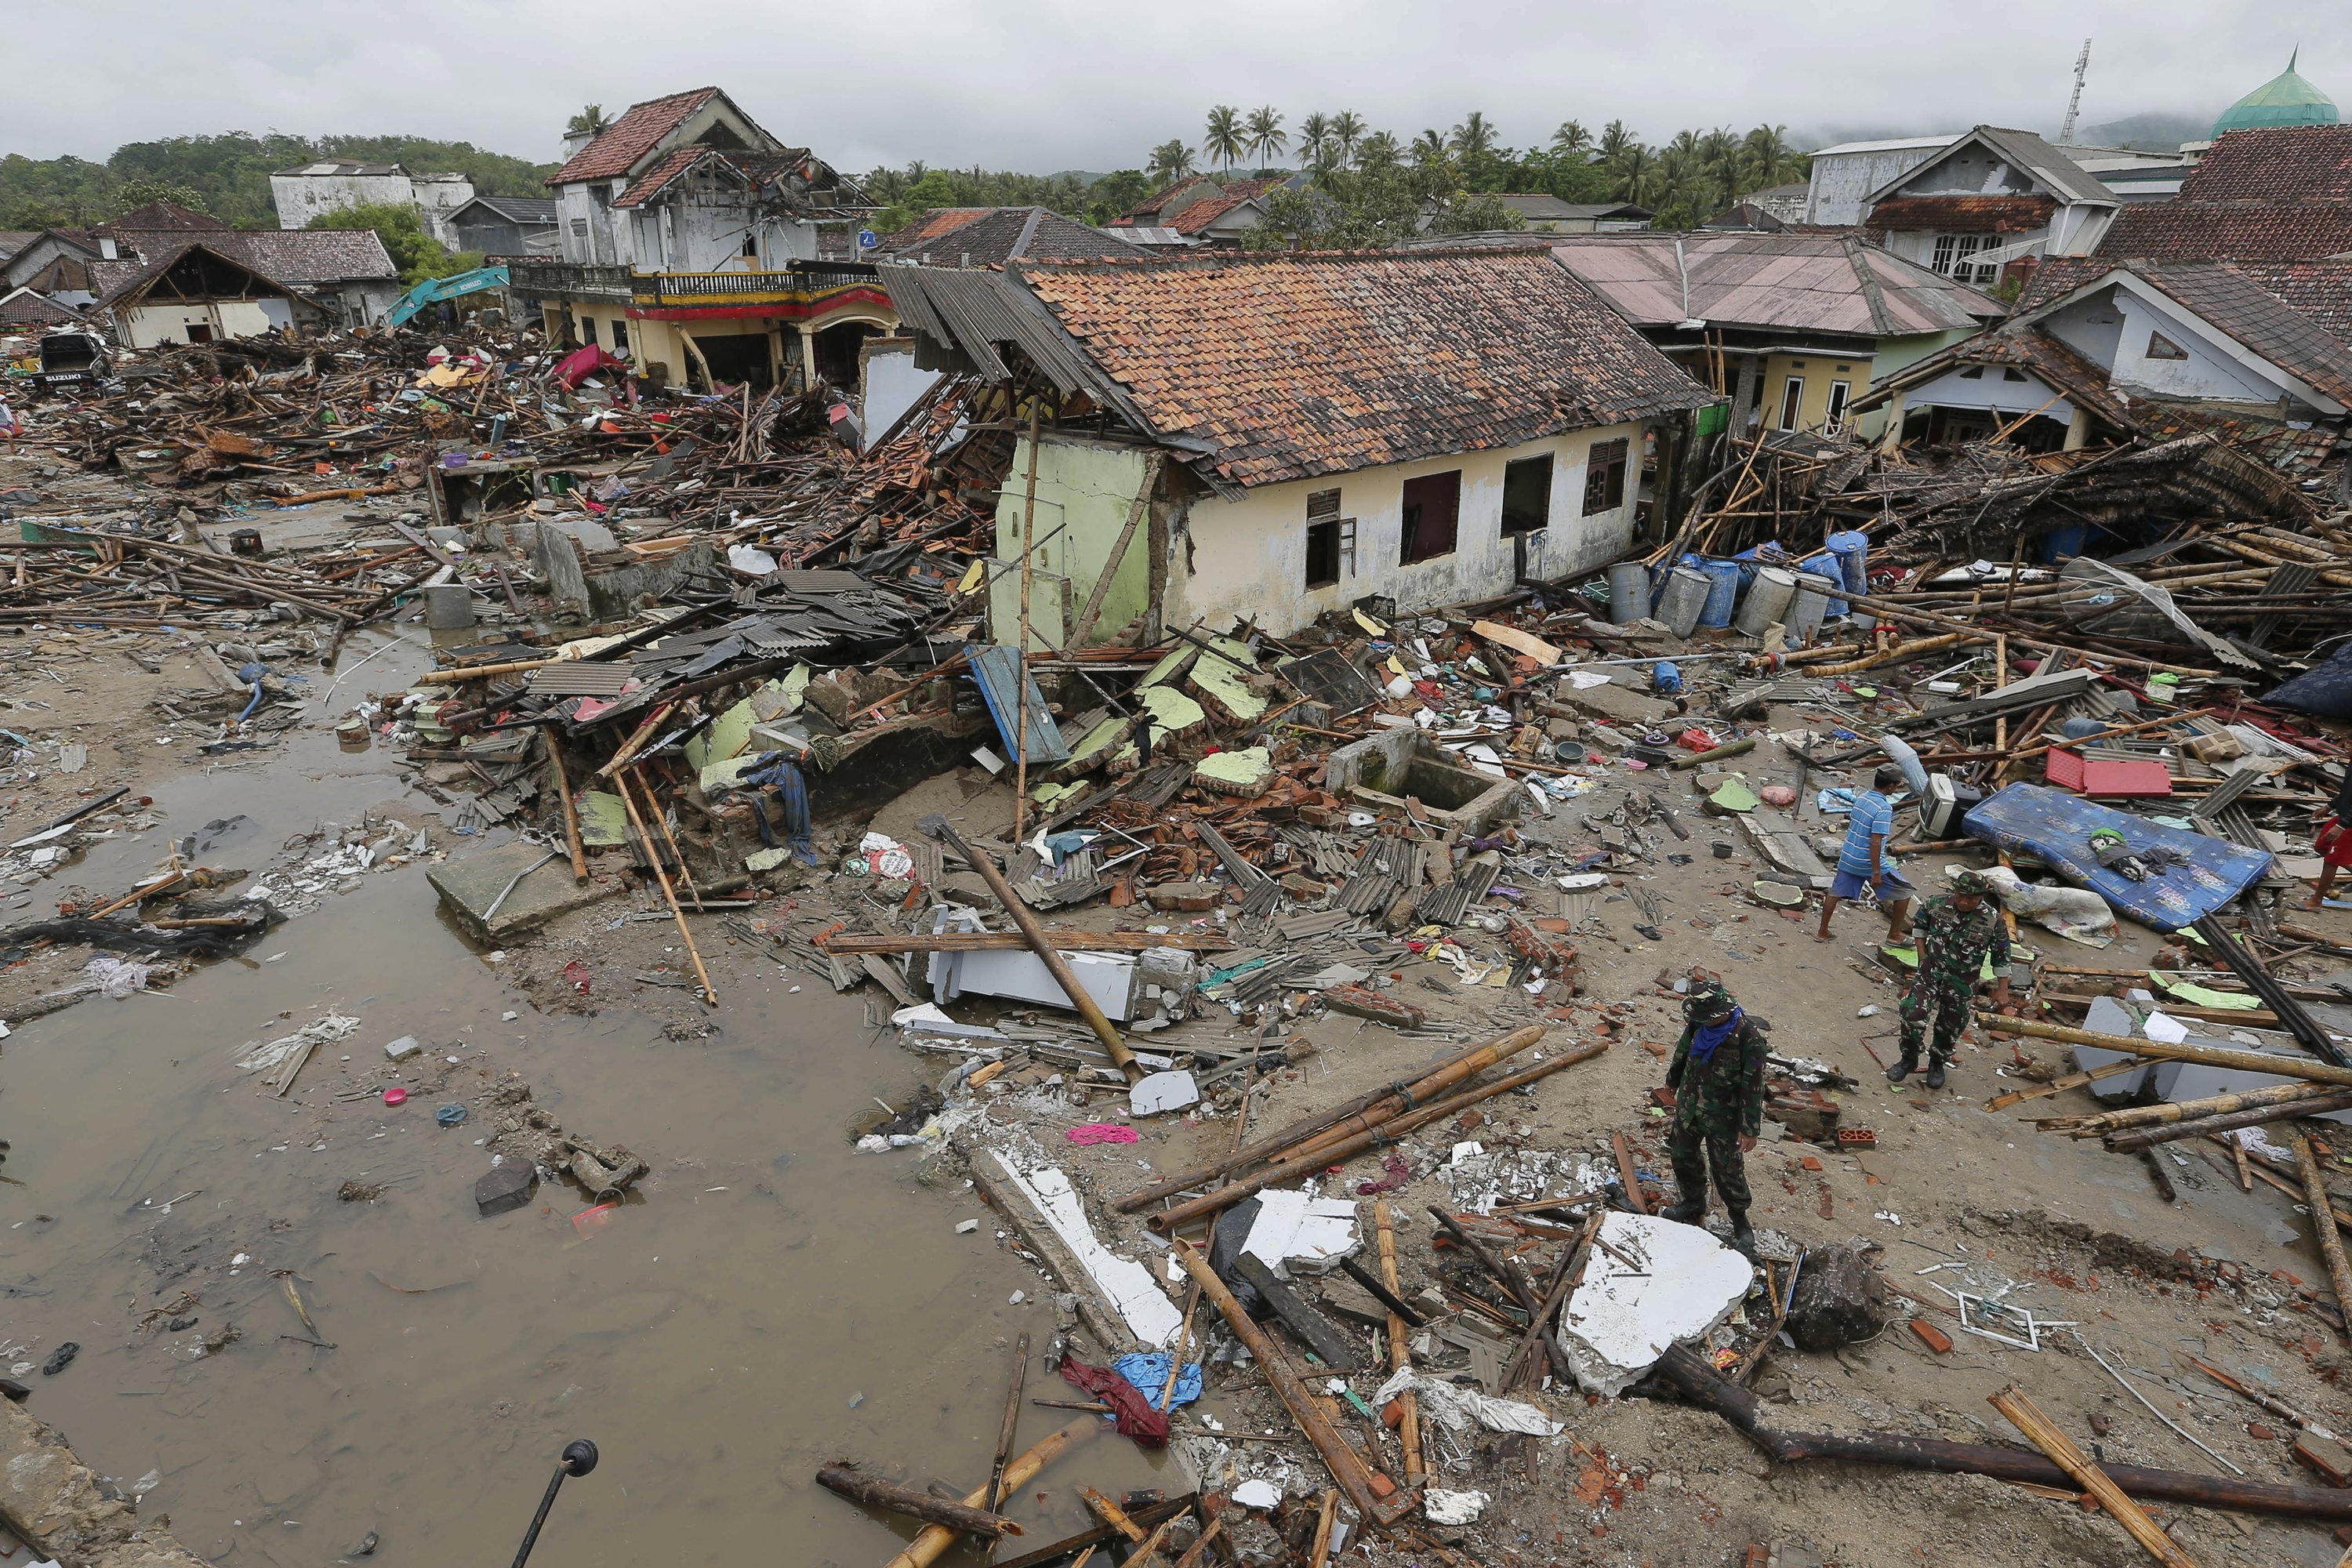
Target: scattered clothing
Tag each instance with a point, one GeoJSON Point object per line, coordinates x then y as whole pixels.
{"type": "Point", "coordinates": [1131, 1413]}
{"type": "Point", "coordinates": [1102, 1133]}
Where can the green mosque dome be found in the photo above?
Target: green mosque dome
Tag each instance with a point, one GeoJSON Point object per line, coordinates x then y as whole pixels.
{"type": "Point", "coordinates": [2285, 100]}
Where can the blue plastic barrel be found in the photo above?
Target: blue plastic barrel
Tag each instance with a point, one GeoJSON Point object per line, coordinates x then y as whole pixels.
{"type": "Point", "coordinates": [1853, 549]}
{"type": "Point", "coordinates": [1722, 593]}
{"type": "Point", "coordinates": [1827, 565]}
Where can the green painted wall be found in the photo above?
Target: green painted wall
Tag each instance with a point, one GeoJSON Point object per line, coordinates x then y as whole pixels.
{"type": "Point", "coordinates": [1085, 489]}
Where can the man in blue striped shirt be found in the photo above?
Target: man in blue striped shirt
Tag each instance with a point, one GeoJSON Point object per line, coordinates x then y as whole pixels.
{"type": "Point", "coordinates": [1863, 863]}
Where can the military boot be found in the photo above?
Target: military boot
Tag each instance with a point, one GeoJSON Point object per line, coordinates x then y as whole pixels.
{"type": "Point", "coordinates": [1935, 1078]}
{"type": "Point", "coordinates": [1743, 1235]}
{"type": "Point", "coordinates": [1691, 1210]}
{"type": "Point", "coordinates": [1904, 1068]}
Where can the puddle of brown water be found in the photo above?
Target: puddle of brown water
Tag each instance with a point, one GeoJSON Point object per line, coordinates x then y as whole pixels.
{"type": "Point", "coordinates": [710, 1342]}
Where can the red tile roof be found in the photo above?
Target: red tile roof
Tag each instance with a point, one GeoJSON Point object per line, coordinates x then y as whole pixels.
{"type": "Point", "coordinates": [1295, 364]}
{"type": "Point", "coordinates": [2319, 291]}
{"type": "Point", "coordinates": [1149, 208]}
{"type": "Point", "coordinates": [667, 167]}
{"type": "Point", "coordinates": [1963, 215]}
{"type": "Point", "coordinates": [2292, 164]}
{"type": "Point", "coordinates": [935, 222]}
{"type": "Point", "coordinates": [2259, 196]}
{"type": "Point", "coordinates": [990, 236]}
{"type": "Point", "coordinates": [631, 137]}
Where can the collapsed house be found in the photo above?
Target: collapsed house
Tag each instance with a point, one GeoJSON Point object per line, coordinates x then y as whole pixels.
{"type": "Point", "coordinates": [1277, 436]}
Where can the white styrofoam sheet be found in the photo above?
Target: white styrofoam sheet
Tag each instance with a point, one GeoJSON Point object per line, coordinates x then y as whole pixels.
{"type": "Point", "coordinates": [1682, 1284]}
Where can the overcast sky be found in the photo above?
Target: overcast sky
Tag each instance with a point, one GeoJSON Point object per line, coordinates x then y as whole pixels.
{"type": "Point", "coordinates": [1044, 85]}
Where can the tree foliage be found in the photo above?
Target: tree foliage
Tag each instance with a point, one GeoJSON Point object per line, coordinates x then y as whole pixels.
{"type": "Point", "coordinates": [229, 175]}
{"type": "Point", "coordinates": [416, 253]}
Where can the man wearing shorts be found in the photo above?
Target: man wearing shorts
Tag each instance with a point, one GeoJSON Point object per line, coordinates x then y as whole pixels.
{"type": "Point", "coordinates": [1863, 863]}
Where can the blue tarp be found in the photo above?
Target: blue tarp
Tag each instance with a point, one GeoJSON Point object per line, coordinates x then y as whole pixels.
{"type": "Point", "coordinates": [2057, 827]}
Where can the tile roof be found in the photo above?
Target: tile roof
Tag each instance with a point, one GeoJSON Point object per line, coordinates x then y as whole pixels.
{"type": "Point", "coordinates": [13, 240]}
{"type": "Point", "coordinates": [156, 216]}
{"type": "Point", "coordinates": [2240, 306]}
{"type": "Point", "coordinates": [1787, 282]}
{"type": "Point", "coordinates": [25, 308]}
{"type": "Point", "coordinates": [1149, 208]}
{"type": "Point", "coordinates": [990, 236]}
{"type": "Point", "coordinates": [2298, 316]}
{"type": "Point", "coordinates": [2047, 163]}
{"type": "Point", "coordinates": [2297, 163]}
{"type": "Point", "coordinates": [115, 281]}
{"type": "Point", "coordinates": [1197, 216]}
{"type": "Point", "coordinates": [2179, 230]}
{"type": "Point", "coordinates": [2281, 445]}
{"type": "Point", "coordinates": [1963, 215]}
{"type": "Point", "coordinates": [631, 137]}
{"type": "Point", "coordinates": [2017, 345]}
{"type": "Point", "coordinates": [286, 256]}
{"type": "Point", "coordinates": [669, 166]}
{"type": "Point", "coordinates": [2257, 196]}
{"type": "Point", "coordinates": [933, 223]}
{"type": "Point", "coordinates": [1295, 364]}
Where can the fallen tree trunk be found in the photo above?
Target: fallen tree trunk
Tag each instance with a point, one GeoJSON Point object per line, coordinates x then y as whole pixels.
{"type": "Point", "coordinates": [844, 1476]}
{"type": "Point", "coordinates": [1686, 1375]}
{"type": "Point", "coordinates": [931, 1542]}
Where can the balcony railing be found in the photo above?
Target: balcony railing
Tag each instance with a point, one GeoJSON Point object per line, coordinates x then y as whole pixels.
{"type": "Point", "coordinates": [569, 278]}
{"type": "Point", "coordinates": [802, 280]}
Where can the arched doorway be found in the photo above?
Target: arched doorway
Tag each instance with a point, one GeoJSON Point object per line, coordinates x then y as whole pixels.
{"type": "Point", "coordinates": [836, 347]}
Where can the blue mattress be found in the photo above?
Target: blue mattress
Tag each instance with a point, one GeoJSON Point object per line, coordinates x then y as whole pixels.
{"type": "Point", "coordinates": [2057, 827]}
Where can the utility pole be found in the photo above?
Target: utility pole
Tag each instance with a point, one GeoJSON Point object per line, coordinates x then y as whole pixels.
{"type": "Point", "coordinates": [2074, 104]}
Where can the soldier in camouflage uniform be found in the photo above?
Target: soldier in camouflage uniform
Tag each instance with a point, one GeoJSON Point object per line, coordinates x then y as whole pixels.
{"type": "Point", "coordinates": [1955, 933]}
{"type": "Point", "coordinates": [1718, 1077]}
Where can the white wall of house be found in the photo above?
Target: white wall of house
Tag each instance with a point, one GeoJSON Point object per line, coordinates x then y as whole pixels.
{"type": "Point", "coordinates": [1247, 555]}
{"type": "Point", "coordinates": [300, 198]}
{"type": "Point", "coordinates": [1841, 179]}
{"type": "Point", "coordinates": [588, 229]}
{"type": "Point", "coordinates": [1998, 389]}
{"type": "Point", "coordinates": [2119, 328]}
{"type": "Point", "coordinates": [147, 325]}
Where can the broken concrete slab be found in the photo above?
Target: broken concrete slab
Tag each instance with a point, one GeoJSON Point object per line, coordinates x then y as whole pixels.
{"type": "Point", "coordinates": [68, 1512]}
{"type": "Point", "coordinates": [1840, 1299]}
{"type": "Point", "coordinates": [471, 886]}
{"type": "Point", "coordinates": [1679, 1284]}
{"type": "Point", "coordinates": [505, 1187]}
{"type": "Point", "coordinates": [1117, 1297]}
{"type": "Point", "coordinates": [1296, 1234]}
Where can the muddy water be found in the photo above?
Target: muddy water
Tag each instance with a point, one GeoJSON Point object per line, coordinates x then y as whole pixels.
{"type": "Point", "coordinates": [775, 1299]}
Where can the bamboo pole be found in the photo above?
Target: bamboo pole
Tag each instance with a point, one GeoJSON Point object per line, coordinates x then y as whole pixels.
{"type": "Point", "coordinates": [1314, 1156]}
{"type": "Point", "coordinates": [1042, 945]}
{"type": "Point", "coordinates": [2105, 1121]}
{"type": "Point", "coordinates": [932, 1543]}
{"type": "Point", "coordinates": [1319, 1554]}
{"type": "Point", "coordinates": [2211, 1056]}
{"type": "Point", "coordinates": [1346, 1468]}
{"type": "Point", "coordinates": [481, 672]}
{"type": "Point", "coordinates": [1366, 1110]}
{"type": "Point", "coordinates": [2254, 1116]}
{"type": "Point", "coordinates": [661, 820]}
{"type": "Point", "coordinates": [670, 896]}
{"type": "Point", "coordinates": [1012, 1419]}
{"type": "Point", "coordinates": [1399, 1355]}
{"type": "Point", "coordinates": [2012, 1403]}
{"type": "Point", "coordinates": [1898, 653]}
{"type": "Point", "coordinates": [571, 809]}
{"type": "Point", "coordinates": [1021, 665]}
{"type": "Point", "coordinates": [2331, 1246]}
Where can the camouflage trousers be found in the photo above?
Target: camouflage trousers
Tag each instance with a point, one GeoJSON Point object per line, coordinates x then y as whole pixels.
{"type": "Point", "coordinates": [1945, 1002]}
{"type": "Point", "coordinates": [1697, 1145]}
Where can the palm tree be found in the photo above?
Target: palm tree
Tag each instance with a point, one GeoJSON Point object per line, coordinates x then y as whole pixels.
{"type": "Point", "coordinates": [1428, 148]}
{"type": "Point", "coordinates": [1223, 137]}
{"type": "Point", "coordinates": [1379, 151]}
{"type": "Point", "coordinates": [1614, 140]}
{"type": "Point", "coordinates": [1771, 158]}
{"type": "Point", "coordinates": [1473, 138]}
{"type": "Point", "coordinates": [1265, 134]}
{"type": "Point", "coordinates": [590, 121]}
{"type": "Point", "coordinates": [1573, 140]}
{"type": "Point", "coordinates": [1632, 173]}
{"type": "Point", "coordinates": [1171, 161]}
{"type": "Point", "coordinates": [1313, 132]}
{"type": "Point", "coordinates": [1724, 156]}
{"type": "Point", "coordinates": [1346, 135]}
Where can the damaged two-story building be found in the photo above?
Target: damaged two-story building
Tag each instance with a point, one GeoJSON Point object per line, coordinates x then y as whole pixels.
{"type": "Point", "coordinates": [1274, 437]}
{"type": "Point", "coordinates": [706, 251]}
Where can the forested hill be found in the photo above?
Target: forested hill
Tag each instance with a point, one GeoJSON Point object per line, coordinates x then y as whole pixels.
{"type": "Point", "coordinates": [228, 175]}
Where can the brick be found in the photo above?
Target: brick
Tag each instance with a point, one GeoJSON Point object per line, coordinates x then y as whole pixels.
{"type": "Point", "coordinates": [1934, 1338]}
{"type": "Point", "coordinates": [2328, 1460]}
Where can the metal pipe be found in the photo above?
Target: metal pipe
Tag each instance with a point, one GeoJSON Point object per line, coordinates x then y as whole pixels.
{"type": "Point", "coordinates": [579, 1457]}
